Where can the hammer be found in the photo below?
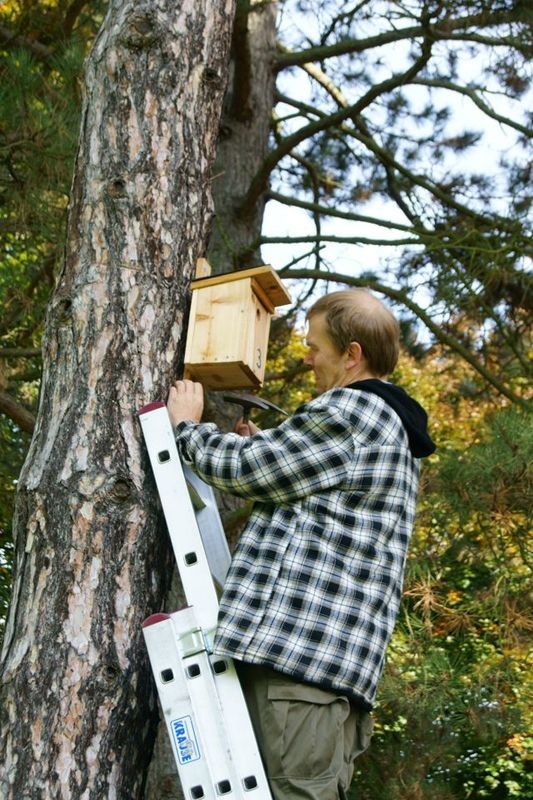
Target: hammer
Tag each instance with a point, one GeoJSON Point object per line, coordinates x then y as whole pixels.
{"type": "Point", "coordinates": [249, 401]}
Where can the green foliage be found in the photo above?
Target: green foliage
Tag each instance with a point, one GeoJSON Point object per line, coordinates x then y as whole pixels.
{"type": "Point", "coordinates": [40, 97]}
{"type": "Point", "coordinates": [35, 173]}
{"type": "Point", "coordinates": [41, 58]}
{"type": "Point", "coordinates": [496, 475]}
{"type": "Point", "coordinates": [447, 727]}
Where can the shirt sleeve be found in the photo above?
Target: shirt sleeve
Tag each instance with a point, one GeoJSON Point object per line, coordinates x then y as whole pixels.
{"type": "Point", "coordinates": [306, 454]}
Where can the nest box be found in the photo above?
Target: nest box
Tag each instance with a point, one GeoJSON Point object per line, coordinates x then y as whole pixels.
{"type": "Point", "coordinates": [229, 324]}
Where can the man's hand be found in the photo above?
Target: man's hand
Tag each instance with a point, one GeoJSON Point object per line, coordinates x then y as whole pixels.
{"type": "Point", "coordinates": [245, 428]}
{"type": "Point", "coordinates": [185, 402]}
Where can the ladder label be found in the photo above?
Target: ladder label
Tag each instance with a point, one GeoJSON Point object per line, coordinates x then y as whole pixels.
{"type": "Point", "coordinates": [185, 740]}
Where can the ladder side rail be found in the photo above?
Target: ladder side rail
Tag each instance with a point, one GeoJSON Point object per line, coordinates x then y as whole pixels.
{"type": "Point", "coordinates": [210, 526]}
{"type": "Point", "coordinates": [242, 742]}
{"type": "Point", "coordinates": [208, 714]}
{"type": "Point", "coordinates": [179, 514]}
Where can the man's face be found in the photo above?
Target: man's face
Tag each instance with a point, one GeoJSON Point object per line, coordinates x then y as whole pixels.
{"type": "Point", "coordinates": [323, 357]}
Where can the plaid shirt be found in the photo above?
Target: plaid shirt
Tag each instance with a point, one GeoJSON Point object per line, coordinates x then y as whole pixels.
{"type": "Point", "coordinates": [315, 581]}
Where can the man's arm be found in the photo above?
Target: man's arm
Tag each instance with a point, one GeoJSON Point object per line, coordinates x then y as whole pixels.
{"type": "Point", "coordinates": [307, 453]}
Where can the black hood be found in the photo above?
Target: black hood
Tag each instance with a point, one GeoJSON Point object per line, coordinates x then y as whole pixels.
{"type": "Point", "coordinates": [411, 413]}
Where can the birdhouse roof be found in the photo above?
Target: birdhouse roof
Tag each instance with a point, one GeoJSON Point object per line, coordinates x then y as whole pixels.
{"type": "Point", "coordinates": [265, 276]}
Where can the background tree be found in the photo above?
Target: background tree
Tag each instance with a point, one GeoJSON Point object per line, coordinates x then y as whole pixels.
{"type": "Point", "coordinates": [414, 111]}
{"type": "Point", "coordinates": [77, 706]}
{"type": "Point", "coordinates": [402, 122]}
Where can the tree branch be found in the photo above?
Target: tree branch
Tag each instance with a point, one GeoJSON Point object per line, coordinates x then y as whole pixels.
{"type": "Point", "coordinates": [285, 58]}
{"type": "Point", "coordinates": [241, 56]}
{"type": "Point", "coordinates": [321, 78]}
{"type": "Point", "coordinates": [325, 81]}
{"type": "Point", "coordinates": [260, 181]}
{"type": "Point", "coordinates": [468, 92]}
{"type": "Point", "coordinates": [334, 212]}
{"type": "Point", "coordinates": [387, 160]}
{"type": "Point", "coordinates": [402, 297]}
{"type": "Point", "coordinates": [504, 41]}
{"type": "Point", "coordinates": [20, 415]}
{"type": "Point", "coordinates": [338, 239]}
{"type": "Point", "coordinates": [10, 39]}
{"type": "Point", "coordinates": [445, 30]}
{"type": "Point", "coordinates": [342, 17]}
{"type": "Point", "coordinates": [390, 164]}
{"type": "Point", "coordinates": [313, 177]}
{"type": "Point", "coordinates": [19, 352]}
{"type": "Point", "coordinates": [73, 12]}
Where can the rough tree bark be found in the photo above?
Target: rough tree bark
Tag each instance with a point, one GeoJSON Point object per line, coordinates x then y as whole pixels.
{"type": "Point", "coordinates": [244, 136]}
{"type": "Point", "coordinates": [241, 148]}
{"type": "Point", "coordinates": [78, 707]}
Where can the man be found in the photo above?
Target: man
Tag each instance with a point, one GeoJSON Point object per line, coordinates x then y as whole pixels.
{"type": "Point", "coordinates": [314, 587]}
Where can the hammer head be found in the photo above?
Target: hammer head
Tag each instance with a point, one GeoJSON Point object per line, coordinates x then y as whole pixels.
{"type": "Point", "coordinates": [249, 401]}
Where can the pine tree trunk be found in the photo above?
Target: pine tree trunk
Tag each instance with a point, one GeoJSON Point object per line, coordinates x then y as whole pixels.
{"type": "Point", "coordinates": [244, 136]}
{"type": "Point", "coordinates": [92, 559]}
{"type": "Point", "coordinates": [241, 149]}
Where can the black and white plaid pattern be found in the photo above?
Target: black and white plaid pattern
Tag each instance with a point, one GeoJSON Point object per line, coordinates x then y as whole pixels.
{"type": "Point", "coordinates": [315, 582]}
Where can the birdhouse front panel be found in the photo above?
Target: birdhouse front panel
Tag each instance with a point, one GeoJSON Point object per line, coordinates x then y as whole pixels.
{"type": "Point", "coordinates": [219, 317]}
{"type": "Point", "coordinates": [229, 326]}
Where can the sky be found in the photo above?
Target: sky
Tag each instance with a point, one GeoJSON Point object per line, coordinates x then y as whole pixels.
{"type": "Point", "coordinates": [497, 140]}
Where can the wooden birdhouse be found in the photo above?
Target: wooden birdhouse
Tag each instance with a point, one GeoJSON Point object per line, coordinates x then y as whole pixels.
{"type": "Point", "coordinates": [229, 325]}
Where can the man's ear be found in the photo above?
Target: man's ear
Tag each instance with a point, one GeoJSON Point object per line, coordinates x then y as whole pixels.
{"type": "Point", "coordinates": [354, 355]}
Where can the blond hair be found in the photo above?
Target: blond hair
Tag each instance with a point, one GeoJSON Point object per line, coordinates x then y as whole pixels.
{"type": "Point", "coordinates": [355, 315]}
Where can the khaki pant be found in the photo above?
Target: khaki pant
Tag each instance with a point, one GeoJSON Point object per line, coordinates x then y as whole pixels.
{"type": "Point", "coordinates": [308, 737]}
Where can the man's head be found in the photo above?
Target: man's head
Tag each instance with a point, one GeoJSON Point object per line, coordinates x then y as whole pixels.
{"type": "Point", "coordinates": [351, 336]}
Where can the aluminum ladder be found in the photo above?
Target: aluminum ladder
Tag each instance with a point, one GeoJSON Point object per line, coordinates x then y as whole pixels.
{"type": "Point", "coordinates": [207, 720]}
